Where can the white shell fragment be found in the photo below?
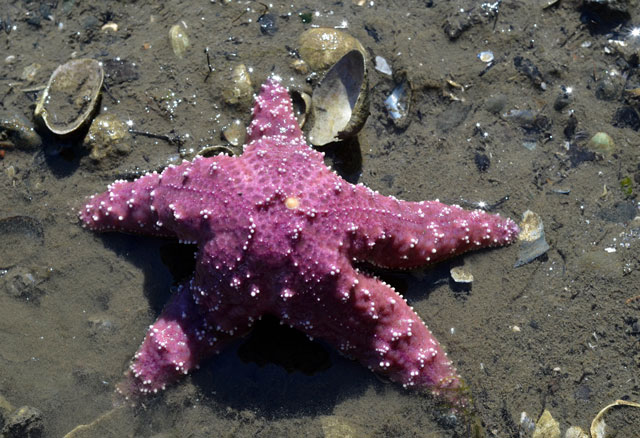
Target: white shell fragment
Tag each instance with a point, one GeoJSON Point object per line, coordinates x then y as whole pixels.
{"type": "Point", "coordinates": [396, 103]}
{"type": "Point", "coordinates": [301, 106]}
{"type": "Point", "coordinates": [486, 56]}
{"type": "Point", "coordinates": [340, 102]}
{"type": "Point", "coordinates": [383, 66]}
{"type": "Point", "coordinates": [532, 241]}
{"type": "Point", "coordinates": [69, 99]}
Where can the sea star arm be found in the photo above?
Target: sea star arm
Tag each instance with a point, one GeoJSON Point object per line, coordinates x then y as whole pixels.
{"type": "Point", "coordinates": [126, 207]}
{"type": "Point", "coordinates": [367, 320]}
{"type": "Point", "coordinates": [199, 320]}
{"type": "Point", "coordinates": [171, 347]}
{"type": "Point", "coordinates": [392, 233]}
{"type": "Point", "coordinates": [176, 343]}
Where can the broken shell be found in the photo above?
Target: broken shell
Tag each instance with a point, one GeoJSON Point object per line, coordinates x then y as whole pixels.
{"type": "Point", "coordinates": [240, 88]}
{"type": "Point", "coordinates": [179, 39]}
{"type": "Point", "coordinates": [383, 66]}
{"type": "Point", "coordinates": [107, 136]}
{"type": "Point", "coordinates": [340, 101]}
{"type": "Point", "coordinates": [398, 103]}
{"type": "Point", "coordinates": [547, 426]}
{"type": "Point", "coordinates": [19, 131]}
{"type": "Point", "coordinates": [532, 241]}
{"type": "Point", "coordinates": [71, 96]}
{"type": "Point", "coordinates": [301, 106]}
{"type": "Point", "coordinates": [323, 47]}
{"type": "Point", "coordinates": [599, 429]}
{"type": "Point", "coordinates": [461, 275]}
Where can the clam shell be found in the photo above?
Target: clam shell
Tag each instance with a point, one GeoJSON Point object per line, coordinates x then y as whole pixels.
{"type": "Point", "coordinates": [71, 96]}
{"type": "Point", "coordinates": [179, 40]}
{"type": "Point", "coordinates": [322, 47]}
{"type": "Point", "coordinates": [340, 102]}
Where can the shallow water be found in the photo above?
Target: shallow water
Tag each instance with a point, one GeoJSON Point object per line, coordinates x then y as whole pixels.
{"type": "Point", "coordinates": [560, 333]}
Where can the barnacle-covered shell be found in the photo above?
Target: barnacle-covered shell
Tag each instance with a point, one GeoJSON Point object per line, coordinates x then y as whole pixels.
{"type": "Point", "coordinates": [70, 98]}
{"type": "Point", "coordinates": [108, 136]}
{"type": "Point", "coordinates": [340, 102]}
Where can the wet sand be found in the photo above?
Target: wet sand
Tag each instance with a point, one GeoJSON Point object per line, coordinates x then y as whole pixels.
{"type": "Point", "coordinates": [560, 333]}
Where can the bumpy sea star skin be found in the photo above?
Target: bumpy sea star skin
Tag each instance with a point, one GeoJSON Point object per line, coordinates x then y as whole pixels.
{"type": "Point", "coordinates": [277, 233]}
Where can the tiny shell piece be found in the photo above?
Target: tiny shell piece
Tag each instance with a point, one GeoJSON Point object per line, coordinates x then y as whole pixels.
{"type": "Point", "coordinates": [30, 71]}
{"type": "Point", "coordinates": [575, 432]}
{"type": "Point", "coordinates": [486, 56]}
{"type": "Point", "coordinates": [460, 275]}
{"type": "Point", "coordinates": [383, 66]}
{"type": "Point", "coordinates": [109, 26]}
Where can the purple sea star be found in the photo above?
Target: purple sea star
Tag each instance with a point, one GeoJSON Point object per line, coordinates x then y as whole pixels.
{"type": "Point", "coordinates": [277, 233]}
